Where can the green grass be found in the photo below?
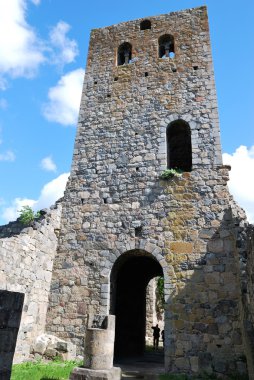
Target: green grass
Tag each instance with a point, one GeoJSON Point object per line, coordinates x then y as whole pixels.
{"type": "Point", "coordinates": [61, 371]}
{"type": "Point", "coordinates": [43, 371]}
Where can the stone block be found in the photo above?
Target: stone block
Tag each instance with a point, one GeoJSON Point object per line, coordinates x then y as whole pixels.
{"type": "Point", "coordinates": [212, 278]}
{"type": "Point", "coordinates": [50, 346]}
{"type": "Point", "coordinates": [62, 346]}
{"type": "Point", "coordinates": [182, 363]}
{"type": "Point", "coordinates": [205, 361]}
{"type": "Point", "coordinates": [50, 353]}
{"type": "Point", "coordinates": [80, 373]}
{"type": "Point", "coordinates": [40, 348]}
{"type": "Point", "coordinates": [194, 363]}
{"type": "Point", "coordinates": [206, 233]}
{"type": "Point", "coordinates": [220, 366]}
{"type": "Point", "coordinates": [181, 247]}
{"type": "Point", "coordinates": [215, 246]}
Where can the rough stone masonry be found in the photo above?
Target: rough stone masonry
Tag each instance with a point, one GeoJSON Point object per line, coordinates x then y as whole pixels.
{"type": "Point", "coordinates": [27, 254]}
{"type": "Point", "coordinates": [149, 104]}
{"type": "Point", "coordinates": [149, 100]}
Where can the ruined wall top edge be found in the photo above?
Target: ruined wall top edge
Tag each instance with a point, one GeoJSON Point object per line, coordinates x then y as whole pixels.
{"type": "Point", "coordinates": [167, 16]}
{"type": "Point", "coordinates": [48, 215]}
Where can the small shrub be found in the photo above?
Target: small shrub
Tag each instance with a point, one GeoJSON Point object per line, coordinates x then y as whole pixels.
{"type": "Point", "coordinates": [27, 215]}
{"type": "Point", "coordinates": [170, 173]}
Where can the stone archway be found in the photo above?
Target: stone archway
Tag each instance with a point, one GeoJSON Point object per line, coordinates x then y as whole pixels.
{"type": "Point", "coordinates": [129, 278]}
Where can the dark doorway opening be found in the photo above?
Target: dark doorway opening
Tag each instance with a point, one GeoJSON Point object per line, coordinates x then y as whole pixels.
{"type": "Point", "coordinates": [129, 278]}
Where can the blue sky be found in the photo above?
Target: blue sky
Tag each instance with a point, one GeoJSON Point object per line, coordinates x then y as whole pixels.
{"type": "Point", "coordinates": [43, 48]}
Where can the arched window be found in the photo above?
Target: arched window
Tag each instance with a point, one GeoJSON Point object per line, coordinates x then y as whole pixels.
{"type": "Point", "coordinates": [145, 24]}
{"type": "Point", "coordinates": [166, 46]}
{"type": "Point", "coordinates": [124, 54]}
{"type": "Point", "coordinates": [179, 151]}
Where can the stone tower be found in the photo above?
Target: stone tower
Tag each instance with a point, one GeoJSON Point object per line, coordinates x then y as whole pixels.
{"type": "Point", "coordinates": [149, 104]}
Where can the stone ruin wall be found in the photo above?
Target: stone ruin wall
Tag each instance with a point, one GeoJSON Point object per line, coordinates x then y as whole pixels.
{"type": "Point", "coordinates": [248, 299]}
{"type": "Point", "coordinates": [52, 224]}
{"type": "Point", "coordinates": [201, 280]}
{"type": "Point", "coordinates": [27, 255]}
{"type": "Point", "coordinates": [250, 272]}
{"type": "Point", "coordinates": [244, 237]}
{"type": "Point", "coordinates": [115, 187]}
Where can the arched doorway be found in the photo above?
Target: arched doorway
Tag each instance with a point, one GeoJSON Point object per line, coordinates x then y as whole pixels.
{"type": "Point", "coordinates": [130, 276]}
{"type": "Point", "coordinates": [179, 149]}
{"type": "Point", "coordinates": [124, 54]}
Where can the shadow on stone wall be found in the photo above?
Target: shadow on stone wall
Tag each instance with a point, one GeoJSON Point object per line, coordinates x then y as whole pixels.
{"type": "Point", "coordinates": [204, 316]}
{"type": "Point", "coordinates": [11, 304]}
{"type": "Point", "coordinates": [247, 287]}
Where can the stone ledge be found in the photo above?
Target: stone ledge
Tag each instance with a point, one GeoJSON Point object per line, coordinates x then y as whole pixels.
{"type": "Point", "coordinates": [80, 373]}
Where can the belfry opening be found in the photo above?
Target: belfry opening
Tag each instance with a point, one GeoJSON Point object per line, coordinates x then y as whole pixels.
{"type": "Point", "coordinates": [130, 277]}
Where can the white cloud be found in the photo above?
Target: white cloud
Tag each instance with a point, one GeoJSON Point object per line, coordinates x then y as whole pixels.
{"type": "Point", "coordinates": [241, 176]}
{"type": "Point", "coordinates": [64, 99]}
{"type": "Point", "coordinates": [7, 156]}
{"type": "Point", "coordinates": [50, 193]}
{"type": "Point", "coordinates": [20, 50]}
{"type": "Point", "coordinates": [12, 212]}
{"type": "Point", "coordinates": [48, 164]}
{"type": "Point", "coordinates": [65, 49]}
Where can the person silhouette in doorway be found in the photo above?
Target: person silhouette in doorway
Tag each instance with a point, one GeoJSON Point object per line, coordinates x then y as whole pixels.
{"type": "Point", "coordinates": [162, 337]}
{"type": "Point", "coordinates": [156, 336]}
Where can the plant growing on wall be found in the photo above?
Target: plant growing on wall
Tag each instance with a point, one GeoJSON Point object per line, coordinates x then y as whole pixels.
{"type": "Point", "coordinates": [27, 215]}
{"type": "Point", "coordinates": [170, 173]}
{"type": "Point", "coordinates": [159, 296]}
